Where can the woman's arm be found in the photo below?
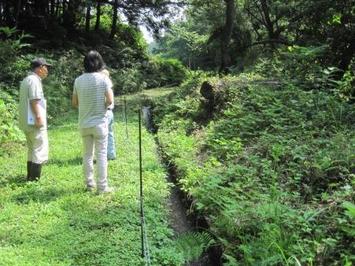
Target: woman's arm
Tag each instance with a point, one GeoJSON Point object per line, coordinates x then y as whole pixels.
{"type": "Point", "coordinates": [75, 101]}
{"type": "Point", "coordinates": [109, 97]}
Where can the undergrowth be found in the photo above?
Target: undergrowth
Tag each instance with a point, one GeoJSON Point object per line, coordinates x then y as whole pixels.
{"type": "Point", "coordinates": [272, 170]}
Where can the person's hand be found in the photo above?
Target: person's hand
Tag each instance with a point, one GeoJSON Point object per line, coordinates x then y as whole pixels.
{"type": "Point", "coordinates": [39, 122]}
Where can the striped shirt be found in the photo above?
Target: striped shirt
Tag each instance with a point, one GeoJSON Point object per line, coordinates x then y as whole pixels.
{"type": "Point", "coordinates": [91, 89]}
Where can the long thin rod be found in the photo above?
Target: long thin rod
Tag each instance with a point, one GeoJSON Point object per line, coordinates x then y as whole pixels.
{"type": "Point", "coordinates": [125, 115]}
{"type": "Point", "coordinates": [141, 181]}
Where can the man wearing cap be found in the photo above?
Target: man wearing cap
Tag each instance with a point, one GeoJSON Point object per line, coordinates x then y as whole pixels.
{"type": "Point", "coordinates": [33, 118]}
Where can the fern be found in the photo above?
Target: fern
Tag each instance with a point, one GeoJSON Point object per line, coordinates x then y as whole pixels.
{"type": "Point", "coordinates": [193, 244]}
{"type": "Point", "coordinates": [350, 209]}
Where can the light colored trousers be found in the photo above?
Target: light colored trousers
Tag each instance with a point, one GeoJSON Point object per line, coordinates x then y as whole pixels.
{"type": "Point", "coordinates": [111, 150]}
{"type": "Point", "coordinates": [37, 145]}
{"type": "Point", "coordinates": [95, 138]}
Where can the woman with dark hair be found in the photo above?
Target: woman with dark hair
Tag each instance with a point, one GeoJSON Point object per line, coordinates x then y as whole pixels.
{"type": "Point", "coordinates": [92, 95]}
{"type": "Point", "coordinates": [93, 62]}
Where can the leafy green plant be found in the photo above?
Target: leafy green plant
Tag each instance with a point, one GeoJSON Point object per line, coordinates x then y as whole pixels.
{"type": "Point", "coordinates": [192, 245]}
{"type": "Point", "coordinates": [160, 72]}
{"type": "Point", "coordinates": [13, 67]}
{"type": "Point", "coordinates": [350, 209]}
{"type": "Point", "coordinates": [128, 80]}
{"type": "Point", "coordinates": [346, 86]}
{"type": "Point", "coordinates": [302, 66]}
{"type": "Point", "coordinates": [9, 131]}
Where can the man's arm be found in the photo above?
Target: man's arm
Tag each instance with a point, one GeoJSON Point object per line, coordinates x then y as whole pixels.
{"type": "Point", "coordinates": [75, 101]}
{"type": "Point", "coordinates": [109, 97]}
{"type": "Point", "coordinates": [35, 107]}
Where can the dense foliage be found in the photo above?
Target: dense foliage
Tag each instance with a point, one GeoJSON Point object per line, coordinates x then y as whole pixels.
{"type": "Point", "coordinates": [273, 170]}
{"type": "Point", "coordinates": [260, 28]}
{"type": "Point", "coordinates": [12, 67]}
{"type": "Point", "coordinates": [65, 18]}
{"type": "Point", "coordinates": [63, 31]}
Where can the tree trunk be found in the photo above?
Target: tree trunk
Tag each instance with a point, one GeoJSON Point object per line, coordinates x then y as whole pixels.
{"type": "Point", "coordinates": [57, 7]}
{"type": "Point", "coordinates": [69, 17]}
{"type": "Point", "coordinates": [18, 10]}
{"type": "Point", "coordinates": [345, 60]}
{"type": "Point", "coordinates": [52, 7]}
{"type": "Point", "coordinates": [7, 14]}
{"type": "Point", "coordinates": [40, 7]}
{"type": "Point", "coordinates": [88, 16]}
{"type": "Point", "coordinates": [98, 15]}
{"type": "Point", "coordinates": [273, 34]}
{"type": "Point", "coordinates": [226, 35]}
{"type": "Point", "coordinates": [266, 17]}
{"type": "Point", "coordinates": [114, 20]}
{"type": "Point", "coordinates": [1, 7]}
{"type": "Point", "coordinates": [63, 5]}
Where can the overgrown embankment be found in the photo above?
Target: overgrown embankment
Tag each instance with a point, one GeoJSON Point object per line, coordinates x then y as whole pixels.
{"type": "Point", "coordinates": [271, 166]}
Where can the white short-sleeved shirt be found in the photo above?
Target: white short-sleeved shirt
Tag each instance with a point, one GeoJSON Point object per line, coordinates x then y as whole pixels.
{"type": "Point", "coordinates": [91, 89]}
{"type": "Point", "coordinates": [30, 89]}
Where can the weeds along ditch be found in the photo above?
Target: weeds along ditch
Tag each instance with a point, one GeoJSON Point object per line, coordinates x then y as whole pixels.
{"type": "Point", "coordinates": [184, 219]}
{"type": "Point", "coordinates": [269, 168]}
{"type": "Point", "coordinates": [197, 221]}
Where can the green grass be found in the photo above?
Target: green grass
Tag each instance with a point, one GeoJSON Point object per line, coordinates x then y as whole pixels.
{"type": "Point", "coordinates": [55, 222]}
{"type": "Point", "coordinates": [159, 92]}
{"type": "Point", "coordinates": [135, 99]}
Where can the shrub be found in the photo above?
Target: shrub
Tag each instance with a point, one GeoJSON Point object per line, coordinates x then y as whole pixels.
{"type": "Point", "coordinates": [128, 80]}
{"type": "Point", "coordinates": [58, 86]}
{"type": "Point", "coordinates": [9, 131]}
{"type": "Point", "coordinates": [160, 72]}
{"type": "Point", "coordinates": [13, 66]}
{"type": "Point", "coordinates": [346, 87]}
{"type": "Point", "coordinates": [302, 66]}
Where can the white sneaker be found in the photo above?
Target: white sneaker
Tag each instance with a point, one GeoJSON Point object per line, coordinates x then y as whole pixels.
{"type": "Point", "coordinates": [90, 188]}
{"type": "Point", "coordinates": [106, 190]}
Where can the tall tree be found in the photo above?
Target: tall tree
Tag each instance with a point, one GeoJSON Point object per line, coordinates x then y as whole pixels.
{"type": "Point", "coordinates": [7, 15]}
{"type": "Point", "coordinates": [98, 15]}
{"type": "Point", "coordinates": [88, 15]}
{"type": "Point", "coordinates": [52, 7]}
{"type": "Point", "coordinates": [18, 10]}
{"type": "Point", "coordinates": [68, 14]}
{"type": "Point", "coordinates": [114, 19]}
{"type": "Point", "coordinates": [1, 12]}
{"type": "Point", "coordinates": [270, 19]}
{"type": "Point", "coordinates": [226, 34]}
{"type": "Point", "coordinates": [41, 7]}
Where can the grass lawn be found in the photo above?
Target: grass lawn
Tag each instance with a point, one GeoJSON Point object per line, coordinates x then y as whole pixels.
{"type": "Point", "coordinates": [55, 222]}
{"type": "Point", "coordinates": [135, 98]}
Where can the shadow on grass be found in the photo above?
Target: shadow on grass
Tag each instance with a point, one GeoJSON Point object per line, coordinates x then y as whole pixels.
{"type": "Point", "coordinates": [40, 194]}
{"type": "Point", "coordinates": [17, 180]}
{"type": "Point", "coordinates": [67, 119]}
{"type": "Point", "coordinates": [64, 162]}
